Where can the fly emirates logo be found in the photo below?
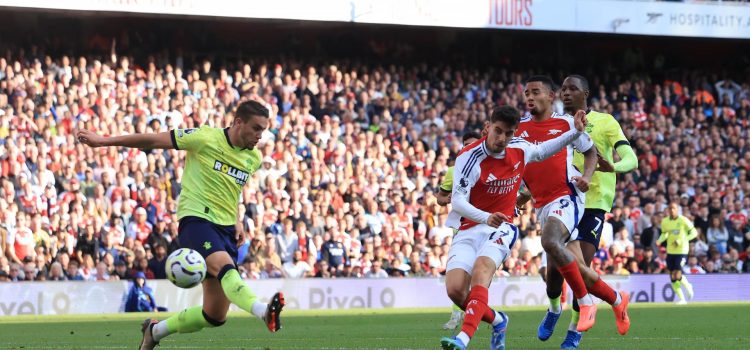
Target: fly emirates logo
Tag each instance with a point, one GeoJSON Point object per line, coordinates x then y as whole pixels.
{"type": "Point", "coordinates": [501, 186]}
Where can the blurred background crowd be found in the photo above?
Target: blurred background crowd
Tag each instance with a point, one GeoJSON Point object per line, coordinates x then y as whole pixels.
{"type": "Point", "coordinates": [352, 160]}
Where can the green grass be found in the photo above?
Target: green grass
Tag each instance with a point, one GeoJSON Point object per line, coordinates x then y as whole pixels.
{"type": "Point", "coordinates": [655, 326]}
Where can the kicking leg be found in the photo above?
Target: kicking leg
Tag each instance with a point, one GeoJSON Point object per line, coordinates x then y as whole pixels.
{"type": "Point", "coordinates": [213, 313]}
{"type": "Point", "coordinates": [553, 241]}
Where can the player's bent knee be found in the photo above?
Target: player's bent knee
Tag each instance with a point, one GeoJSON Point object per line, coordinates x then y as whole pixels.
{"type": "Point", "coordinates": [217, 261]}
{"type": "Point", "coordinates": [458, 295]}
{"type": "Point", "coordinates": [215, 320]}
{"type": "Point", "coordinates": [551, 246]}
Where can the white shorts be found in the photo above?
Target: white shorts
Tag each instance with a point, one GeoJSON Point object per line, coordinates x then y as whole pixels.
{"type": "Point", "coordinates": [567, 209]}
{"type": "Point", "coordinates": [481, 240]}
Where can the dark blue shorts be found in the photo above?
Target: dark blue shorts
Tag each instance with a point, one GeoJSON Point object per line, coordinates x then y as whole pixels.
{"type": "Point", "coordinates": [206, 238]}
{"type": "Point", "coordinates": [591, 226]}
{"type": "Point", "coordinates": [676, 261]}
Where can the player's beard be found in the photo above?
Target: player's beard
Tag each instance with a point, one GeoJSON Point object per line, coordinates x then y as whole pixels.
{"type": "Point", "coordinates": [536, 111]}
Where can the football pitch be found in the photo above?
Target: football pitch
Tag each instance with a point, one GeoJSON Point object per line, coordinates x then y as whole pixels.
{"type": "Point", "coordinates": [654, 326]}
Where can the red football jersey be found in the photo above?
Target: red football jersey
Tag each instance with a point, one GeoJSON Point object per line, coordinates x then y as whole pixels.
{"type": "Point", "coordinates": [550, 179]}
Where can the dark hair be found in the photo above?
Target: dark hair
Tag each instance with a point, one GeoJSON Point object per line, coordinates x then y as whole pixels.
{"type": "Point", "coordinates": [584, 81]}
{"type": "Point", "coordinates": [250, 108]}
{"type": "Point", "coordinates": [547, 81]}
{"type": "Point", "coordinates": [471, 135]}
{"type": "Point", "coordinates": [507, 115]}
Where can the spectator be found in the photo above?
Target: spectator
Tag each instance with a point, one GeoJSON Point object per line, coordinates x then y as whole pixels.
{"type": "Point", "coordinates": [101, 273]}
{"type": "Point", "coordinates": [718, 234]}
{"type": "Point", "coordinates": [376, 271]}
{"type": "Point", "coordinates": [73, 272]}
{"type": "Point", "coordinates": [121, 270]}
{"type": "Point", "coordinates": [286, 242]}
{"type": "Point", "coordinates": [532, 243]}
{"type": "Point", "coordinates": [692, 267]}
{"type": "Point", "coordinates": [271, 270]}
{"type": "Point", "coordinates": [56, 273]}
{"type": "Point", "coordinates": [736, 235]}
{"type": "Point", "coordinates": [157, 264]}
{"type": "Point", "coordinates": [334, 252]}
{"type": "Point", "coordinates": [140, 297]}
{"type": "Point", "coordinates": [623, 243]}
{"type": "Point", "coordinates": [249, 269]}
{"type": "Point", "coordinates": [29, 271]}
{"type": "Point", "coordinates": [297, 267]}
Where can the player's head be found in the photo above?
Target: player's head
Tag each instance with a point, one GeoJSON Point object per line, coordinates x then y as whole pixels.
{"type": "Point", "coordinates": [251, 119]}
{"type": "Point", "coordinates": [673, 210]}
{"type": "Point", "coordinates": [539, 94]}
{"type": "Point", "coordinates": [574, 92]}
{"type": "Point", "coordinates": [471, 137]}
{"type": "Point", "coordinates": [503, 125]}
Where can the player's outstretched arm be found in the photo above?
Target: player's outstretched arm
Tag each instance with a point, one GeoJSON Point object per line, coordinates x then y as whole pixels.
{"type": "Point", "coordinates": [538, 153]}
{"type": "Point", "coordinates": [162, 140]}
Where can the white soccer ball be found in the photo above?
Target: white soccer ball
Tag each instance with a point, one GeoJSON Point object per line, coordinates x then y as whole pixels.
{"type": "Point", "coordinates": [186, 268]}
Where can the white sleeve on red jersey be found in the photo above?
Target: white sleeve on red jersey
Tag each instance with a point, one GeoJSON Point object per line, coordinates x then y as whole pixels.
{"type": "Point", "coordinates": [582, 143]}
{"type": "Point", "coordinates": [465, 175]}
{"type": "Point", "coordinates": [537, 153]}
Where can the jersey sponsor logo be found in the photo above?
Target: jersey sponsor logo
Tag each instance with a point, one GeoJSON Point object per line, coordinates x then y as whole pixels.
{"type": "Point", "coordinates": [557, 212]}
{"type": "Point", "coordinates": [524, 134]}
{"type": "Point", "coordinates": [239, 176]}
{"type": "Point", "coordinates": [183, 132]}
{"type": "Point", "coordinates": [501, 186]}
{"type": "Point", "coordinates": [554, 131]}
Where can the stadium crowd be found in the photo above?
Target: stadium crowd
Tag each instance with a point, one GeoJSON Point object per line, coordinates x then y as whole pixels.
{"type": "Point", "coordinates": [352, 161]}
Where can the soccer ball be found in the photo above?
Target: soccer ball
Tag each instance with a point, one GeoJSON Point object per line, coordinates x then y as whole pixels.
{"type": "Point", "coordinates": [186, 268]}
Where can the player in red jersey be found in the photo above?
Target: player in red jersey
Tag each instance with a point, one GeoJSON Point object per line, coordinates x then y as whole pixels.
{"type": "Point", "coordinates": [558, 189]}
{"type": "Point", "coordinates": [486, 179]}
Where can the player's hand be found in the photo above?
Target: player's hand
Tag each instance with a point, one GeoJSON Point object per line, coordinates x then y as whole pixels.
{"type": "Point", "coordinates": [90, 138]}
{"type": "Point", "coordinates": [240, 236]}
{"type": "Point", "coordinates": [581, 182]}
{"type": "Point", "coordinates": [604, 165]}
{"type": "Point", "coordinates": [497, 219]}
{"type": "Point", "coordinates": [580, 120]}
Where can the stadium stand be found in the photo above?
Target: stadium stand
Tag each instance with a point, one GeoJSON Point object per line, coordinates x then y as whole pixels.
{"type": "Point", "coordinates": [353, 157]}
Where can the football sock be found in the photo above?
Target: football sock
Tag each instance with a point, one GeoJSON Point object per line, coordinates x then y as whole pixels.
{"type": "Point", "coordinates": [554, 305]}
{"type": "Point", "coordinates": [677, 290]}
{"type": "Point", "coordinates": [476, 308]}
{"type": "Point", "coordinates": [575, 280]}
{"type": "Point", "coordinates": [188, 320]}
{"type": "Point", "coordinates": [684, 280]}
{"type": "Point", "coordinates": [604, 292]}
{"type": "Point", "coordinates": [574, 321]}
{"type": "Point", "coordinates": [238, 292]}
